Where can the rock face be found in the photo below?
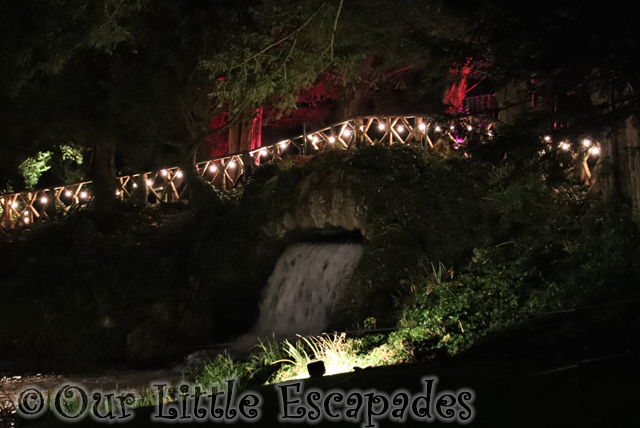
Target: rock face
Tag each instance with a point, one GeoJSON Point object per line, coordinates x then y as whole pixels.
{"type": "Point", "coordinates": [320, 204]}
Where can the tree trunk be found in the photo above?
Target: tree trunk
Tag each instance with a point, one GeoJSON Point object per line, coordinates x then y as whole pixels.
{"type": "Point", "coordinates": [240, 134]}
{"type": "Point", "coordinates": [104, 174]}
{"type": "Point", "coordinates": [188, 167]}
{"type": "Point", "coordinates": [611, 172]}
{"type": "Point", "coordinates": [245, 135]}
{"type": "Point", "coordinates": [235, 132]}
{"type": "Point", "coordinates": [620, 155]}
{"type": "Point", "coordinates": [354, 99]}
{"type": "Point", "coordinates": [459, 79]}
{"type": "Point", "coordinates": [355, 104]}
{"type": "Point", "coordinates": [625, 179]}
{"type": "Point", "coordinates": [632, 134]}
{"type": "Point", "coordinates": [512, 100]}
{"type": "Point", "coordinates": [200, 191]}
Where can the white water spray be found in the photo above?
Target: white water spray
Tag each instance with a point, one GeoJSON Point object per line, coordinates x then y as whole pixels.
{"type": "Point", "coordinates": [302, 289]}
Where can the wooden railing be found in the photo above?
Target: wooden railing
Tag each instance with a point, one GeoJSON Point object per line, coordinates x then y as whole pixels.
{"type": "Point", "coordinates": [168, 185]}
{"type": "Point", "coordinates": [484, 105]}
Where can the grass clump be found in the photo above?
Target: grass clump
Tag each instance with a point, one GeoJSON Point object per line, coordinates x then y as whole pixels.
{"type": "Point", "coordinates": [223, 368]}
{"type": "Point", "coordinates": [274, 362]}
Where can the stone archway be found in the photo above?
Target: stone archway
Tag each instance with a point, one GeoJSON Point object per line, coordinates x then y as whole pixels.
{"type": "Point", "coordinates": [319, 205]}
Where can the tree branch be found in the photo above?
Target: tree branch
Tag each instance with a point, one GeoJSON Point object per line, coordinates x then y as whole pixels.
{"type": "Point", "coordinates": [276, 43]}
{"type": "Point", "coordinates": [335, 29]}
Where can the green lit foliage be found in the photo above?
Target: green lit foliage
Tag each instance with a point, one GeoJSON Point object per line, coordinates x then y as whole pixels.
{"type": "Point", "coordinates": [452, 312]}
{"type": "Point", "coordinates": [551, 249]}
{"type": "Point", "coordinates": [62, 164]}
{"type": "Point", "coordinates": [223, 368]}
{"type": "Point", "coordinates": [281, 361]}
{"type": "Point", "coordinates": [33, 167]}
{"type": "Point", "coordinates": [67, 165]}
{"type": "Point", "coordinates": [71, 153]}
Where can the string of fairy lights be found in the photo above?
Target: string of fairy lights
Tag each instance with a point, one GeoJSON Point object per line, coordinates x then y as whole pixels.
{"type": "Point", "coordinates": [427, 131]}
{"type": "Point", "coordinates": [586, 146]}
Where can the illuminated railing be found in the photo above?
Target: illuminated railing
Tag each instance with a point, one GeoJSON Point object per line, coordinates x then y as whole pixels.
{"type": "Point", "coordinates": [168, 185]}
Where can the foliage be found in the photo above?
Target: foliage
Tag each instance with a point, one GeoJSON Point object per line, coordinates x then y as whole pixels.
{"type": "Point", "coordinates": [290, 359]}
{"type": "Point", "coordinates": [335, 352]}
{"type": "Point", "coordinates": [550, 251]}
{"type": "Point", "coordinates": [452, 314]}
{"type": "Point", "coordinates": [98, 26]}
{"type": "Point", "coordinates": [86, 72]}
{"type": "Point", "coordinates": [61, 166]}
{"type": "Point", "coordinates": [71, 153]}
{"type": "Point", "coordinates": [260, 66]}
{"type": "Point", "coordinates": [32, 168]}
{"type": "Point", "coordinates": [593, 57]}
{"type": "Point", "coordinates": [413, 211]}
{"type": "Point", "coordinates": [223, 368]}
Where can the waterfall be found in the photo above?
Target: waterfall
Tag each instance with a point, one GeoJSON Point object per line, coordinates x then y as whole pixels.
{"type": "Point", "coordinates": [302, 289]}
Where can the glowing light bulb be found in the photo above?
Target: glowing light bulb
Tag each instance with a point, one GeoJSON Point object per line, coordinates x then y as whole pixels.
{"type": "Point", "coordinates": [490, 134]}
{"type": "Point", "coordinates": [400, 128]}
{"type": "Point", "coordinates": [213, 168]}
{"type": "Point", "coordinates": [332, 139]}
{"type": "Point", "coordinates": [283, 144]}
{"type": "Point", "coordinates": [117, 193]}
{"type": "Point", "coordinates": [594, 151]}
{"type": "Point", "coordinates": [586, 142]}
{"type": "Point", "coordinates": [452, 127]}
{"type": "Point", "coordinates": [135, 185]}
{"type": "Point", "coordinates": [469, 128]}
{"type": "Point", "coordinates": [25, 220]}
{"type": "Point", "coordinates": [179, 174]}
{"type": "Point", "coordinates": [83, 195]}
{"type": "Point", "coordinates": [422, 127]}
{"type": "Point", "coordinates": [315, 139]}
{"type": "Point", "coordinates": [346, 132]}
{"type": "Point", "coordinates": [232, 164]}
{"type": "Point", "coordinates": [362, 128]}
{"type": "Point", "coordinates": [14, 205]}
{"type": "Point", "coordinates": [164, 172]}
{"type": "Point", "coordinates": [149, 183]}
{"type": "Point", "coordinates": [547, 138]}
{"type": "Point", "coordinates": [264, 152]}
{"type": "Point", "coordinates": [565, 146]}
{"type": "Point", "coordinates": [67, 193]}
{"type": "Point", "coordinates": [44, 200]}
{"type": "Point", "coordinates": [310, 137]}
{"type": "Point", "coordinates": [438, 129]}
{"type": "Point", "coordinates": [381, 126]}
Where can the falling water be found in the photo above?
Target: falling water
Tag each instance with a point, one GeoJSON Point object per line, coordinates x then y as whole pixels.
{"type": "Point", "coordinates": [302, 289]}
